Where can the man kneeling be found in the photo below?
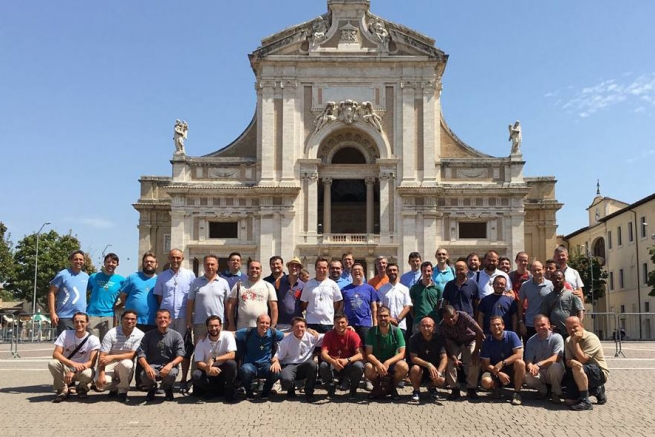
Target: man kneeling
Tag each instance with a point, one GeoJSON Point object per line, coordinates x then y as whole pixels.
{"type": "Point", "coordinates": [429, 360]}
{"type": "Point", "coordinates": [502, 360]}
{"type": "Point", "coordinates": [385, 350]}
{"type": "Point", "coordinates": [216, 368]}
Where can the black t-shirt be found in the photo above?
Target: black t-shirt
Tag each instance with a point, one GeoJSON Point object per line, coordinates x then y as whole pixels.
{"type": "Point", "coordinates": [429, 351]}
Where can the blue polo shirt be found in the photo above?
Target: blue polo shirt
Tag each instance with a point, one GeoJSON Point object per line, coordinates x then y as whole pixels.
{"type": "Point", "coordinates": [258, 349]}
{"type": "Point", "coordinates": [497, 305]}
{"type": "Point", "coordinates": [498, 350]}
{"type": "Point", "coordinates": [357, 301]}
{"type": "Point", "coordinates": [461, 297]}
{"type": "Point", "coordinates": [288, 300]}
{"type": "Point", "coordinates": [140, 291]}
{"type": "Point", "coordinates": [104, 291]}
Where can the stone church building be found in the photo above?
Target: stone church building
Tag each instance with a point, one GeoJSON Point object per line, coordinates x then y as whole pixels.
{"type": "Point", "coordinates": [348, 150]}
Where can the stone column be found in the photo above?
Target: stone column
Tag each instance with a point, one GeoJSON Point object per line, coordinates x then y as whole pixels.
{"type": "Point", "coordinates": [431, 130]}
{"type": "Point", "coordinates": [370, 205]}
{"type": "Point", "coordinates": [327, 206]}
{"type": "Point", "coordinates": [288, 131]}
{"type": "Point", "coordinates": [386, 206]}
{"type": "Point", "coordinates": [268, 132]}
{"type": "Point", "coordinates": [408, 136]}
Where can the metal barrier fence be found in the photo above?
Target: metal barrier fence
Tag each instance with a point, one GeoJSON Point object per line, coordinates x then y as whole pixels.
{"type": "Point", "coordinates": [27, 332]}
{"type": "Point", "coordinates": [636, 326]}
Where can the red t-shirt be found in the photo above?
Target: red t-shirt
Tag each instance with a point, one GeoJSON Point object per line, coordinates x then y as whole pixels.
{"type": "Point", "coordinates": [341, 346]}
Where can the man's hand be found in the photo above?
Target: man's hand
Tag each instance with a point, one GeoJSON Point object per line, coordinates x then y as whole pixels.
{"type": "Point", "coordinates": [54, 318]}
{"type": "Point", "coordinates": [456, 361]}
{"type": "Point", "coordinates": [381, 369]}
{"type": "Point", "coordinates": [313, 332]}
{"type": "Point", "coordinates": [150, 373]}
{"type": "Point", "coordinates": [213, 371]}
{"type": "Point", "coordinates": [339, 364]}
{"type": "Point", "coordinates": [503, 377]}
{"type": "Point", "coordinates": [165, 370]}
{"type": "Point", "coordinates": [68, 377]}
{"type": "Point", "coordinates": [275, 367]}
{"type": "Point", "coordinates": [434, 373]}
{"type": "Point", "coordinates": [576, 336]}
{"type": "Point", "coordinates": [533, 369]}
{"type": "Point", "coordinates": [393, 321]}
{"type": "Point", "coordinates": [499, 366]}
{"type": "Point", "coordinates": [574, 364]}
{"type": "Point", "coordinates": [106, 360]}
{"type": "Point", "coordinates": [101, 380]}
{"type": "Point", "coordinates": [79, 367]}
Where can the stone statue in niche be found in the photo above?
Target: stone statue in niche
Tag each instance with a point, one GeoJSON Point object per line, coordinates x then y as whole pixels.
{"type": "Point", "coordinates": [515, 137]}
{"type": "Point", "coordinates": [180, 135]}
{"type": "Point", "coordinates": [376, 27]}
{"type": "Point", "coordinates": [327, 116]}
{"type": "Point", "coordinates": [366, 111]}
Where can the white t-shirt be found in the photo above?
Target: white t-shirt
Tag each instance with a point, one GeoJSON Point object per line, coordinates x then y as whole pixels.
{"type": "Point", "coordinates": [68, 341]}
{"type": "Point", "coordinates": [572, 276]}
{"type": "Point", "coordinates": [292, 350]}
{"type": "Point", "coordinates": [486, 282]}
{"type": "Point", "coordinates": [395, 297]}
{"type": "Point", "coordinates": [320, 298]}
{"type": "Point", "coordinates": [116, 341]}
{"type": "Point", "coordinates": [205, 347]}
{"type": "Point", "coordinates": [252, 301]}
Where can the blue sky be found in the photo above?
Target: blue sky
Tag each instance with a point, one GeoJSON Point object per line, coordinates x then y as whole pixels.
{"type": "Point", "coordinates": [89, 92]}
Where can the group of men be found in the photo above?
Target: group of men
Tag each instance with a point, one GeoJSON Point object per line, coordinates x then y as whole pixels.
{"type": "Point", "coordinates": [435, 324]}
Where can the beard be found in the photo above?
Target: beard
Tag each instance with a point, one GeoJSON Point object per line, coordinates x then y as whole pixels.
{"type": "Point", "coordinates": [149, 271]}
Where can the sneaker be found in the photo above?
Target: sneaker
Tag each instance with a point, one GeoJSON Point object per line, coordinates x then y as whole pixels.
{"type": "Point", "coordinates": [122, 398]}
{"type": "Point", "coordinates": [394, 394]}
{"type": "Point", "coordinates": [454, 395]}
{"type": "Point", "coordinates": [61, 397]}
{"type": "Point", "coordinates": [542, 395]}
{"type": "Point", "coordinates": [160, 391]}
{"type": "Point", "coordinates": [352, 395]}
{"type": "Point", "coordinates": [168, 395]}
{"type": "Point", "coordinates": [331, 390]}
{"type": "Point", "coordinates": [112, 394]}
{"type": "Point", "coordinates": [151, 395]}
{"type": "Point", "coordinates": [583, 405]}
{"type": "Point", "coordinates": [472, 394]}
{"type": "Point", "coordinates": [434, 394]}
{"type": "Point", "coordinates": [184, 388]}
{"type": "Point", "coordinates": [516, 399]}
{"type": "Point", "coordinates": [81, 394]}
{"type": "Point", "coordinates": [309, 397]}
{"type": "Point", "coordinates": [497, 393]}
{"type": "Point", "coordinates": [291, 393]}
{"type": "Point", "coordinates": [401, 384]}
{"type": "Point", "coordinates": [415, 396]}
{"type": "Point", "coordinates": [266, 395]}
{"type": "Point", "coordinates": [344, 385]}
{"type": "Point", "coordinates": [601, 399]}
{"type": "Point", "coordinates": [368, 385]}
{"type": "Point", "coordinates": [555, 399]}
{"type": "Point", "coordinates": [250, 394]}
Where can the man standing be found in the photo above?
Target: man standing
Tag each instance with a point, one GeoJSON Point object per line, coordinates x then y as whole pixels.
{"type": "Point", "coordinates": [395, 296]}
{"type": "Point", "coordinates": [251, 299]}
{"type": "Point", "coordinates": [295, 359]}
{"type": "Point", "coordinates": [67, 294]}
{"type": "Point", "coordinates": [427, 350]}
{"type": "Point", "coordinates": [207, 297]}
{"type": "Point", "coordinates": [104, 287]}
{"type": "Point", "coordinates": [342, 355]}
{"type": "Point", "coordinates": [543, 360]}
{"type": "Point", "coordinates": [463, 342]}
{"type": "Point", "coordinates": [138, 293]}
{"type": "Point", "coordinates": [473, 264]}
{"type": "Point", "coordinates": [347, 260]}
{"type": "Point", "coordinates": [560, 304]}
{"type": "Point", "coordinates": [277, 275]}
{"type": "Point", "coordinates": [485, 278]}
{"type": "Point", "coordinates": [462, 292]}
{"type": "Point", "coordinates": [321, 298]}
{"type": "Point", "coordinates": [385, 350]}
{"type": "Point", "coordinates": [504, 264]}
{"type": "Point", "coordinates": [259, 346]}
{"type": "Point", "coordinates": [73, 358]}
{"type": "Point", "coordinates": [172, 290]}
{"type": "Point", "coordinates": [442, 273]}
{"type": "Point", "coordinates": [408, 279]}
{"type": "Point", "coordinates": [380, 277]}
{"type": "Point", "coordinates": [502, 360]}
{"type": "Point", "coordinates": [160, 352]}
{"type": "Point", "coordinates": [288, 296]}
{"type": "Point", "coordinates": [233, 272]}
{"type": "Point", "coordinates": [360, 303]}
{"type": "Point", "coordinates": [586, 367]}
{"type": "Point", "coordinates": [531, 294]}
{"type": "Point", "coordinates": [336, 270]}
{"type": "Point", "coordinates": [521, 274]}
{"type": "Point", "coordinates": [498, 304]}
{"type": "Point", "coordinates": [426, 297]}
{"type": "Point", "coordinates": [116, 363]}
{"type": "Point", "coordinates": [571, 275]}
{"type": "Point", "coordinates": [216, 368]}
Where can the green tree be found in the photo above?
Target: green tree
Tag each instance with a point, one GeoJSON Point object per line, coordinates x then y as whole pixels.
{"type": "Point", "coordinates": [53, 257]}
{"type": "Point", "coordinates": [580, 262]}
{"type": "Point", "coordinates": [6, 261]}
{"type": "Point", "coordinates": [651, 274]}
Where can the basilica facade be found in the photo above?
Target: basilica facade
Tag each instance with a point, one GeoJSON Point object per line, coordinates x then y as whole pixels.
{"type": "Point", "coordinates": [348, 151]}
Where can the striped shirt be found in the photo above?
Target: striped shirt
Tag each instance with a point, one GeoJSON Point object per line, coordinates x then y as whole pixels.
{"type": "Point", "coordinates": [115, 341]}
{"type": "Point", "coordinates": [461, 332]}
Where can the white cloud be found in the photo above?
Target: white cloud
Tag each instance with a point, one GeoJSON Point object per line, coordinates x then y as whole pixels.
{"type": "Point", "coordinates": [97, 223]}
{"type": "Point", "coordinates": [611, 92]}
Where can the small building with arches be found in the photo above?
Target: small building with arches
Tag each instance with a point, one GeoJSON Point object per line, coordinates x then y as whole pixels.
{"type": "Point", "coordinates": [348, 150]}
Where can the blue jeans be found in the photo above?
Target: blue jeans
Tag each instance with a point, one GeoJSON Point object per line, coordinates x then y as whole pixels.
{"type": "Point", "coordinates": [250, 371]}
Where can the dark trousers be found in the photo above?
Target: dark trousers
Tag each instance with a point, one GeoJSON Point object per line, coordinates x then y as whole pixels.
{"type": "Point", "coordinates": [321, 329]}
{"type": "Point", "coordinates": [223, 384]}
{"type": "Point", "coordinates": [139, 369]}
{"type": "Point", "coordinates": [292, 372]}
{"type": "Point", "coordinates": [64, 325]}
{"type": "Point", "coordinates": [249, 371]}
{"type": "Point", "coordinates": [352, 371]}
{"type": "Point", "coordinates": [361, 331]}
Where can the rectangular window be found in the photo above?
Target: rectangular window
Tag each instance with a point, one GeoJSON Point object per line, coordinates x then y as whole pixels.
{"type": "Point", "coordinates": [620, 279]}
{"type": "Point", "coordinates": [622, 308]}
{"type": "Point", "coordinates": [609, 239]}
{"type": "Point", "coordinates": [647, 307]}
{"type": "Point", "coordinates": [472, 230]}
{"type": "Point", "coordinates": [643, 227]}
{"type": "Point", "coordinates": [223, 230]}
{"type": "Point", "coordinates": [619, 237]}
{"type": "Point", "coordinates": [611, 281]}
{"type": "Point", "coordinates": [644, 273]}
{"type": "Point", "coordinates": [631, 236]}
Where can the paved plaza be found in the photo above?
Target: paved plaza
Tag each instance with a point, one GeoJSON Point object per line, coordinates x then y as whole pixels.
{"type": "Point", "coordinates": [26, 395]}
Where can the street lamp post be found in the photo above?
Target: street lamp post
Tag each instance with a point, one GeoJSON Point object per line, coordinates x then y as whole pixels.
{"type": "Point", "coordinates": [103, 252]}
{"type": "Point", "coordinates": [36, 266]}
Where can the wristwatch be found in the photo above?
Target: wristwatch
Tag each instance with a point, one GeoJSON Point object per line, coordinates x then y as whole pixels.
{"type": "Point", "coordinates": [348, 359]}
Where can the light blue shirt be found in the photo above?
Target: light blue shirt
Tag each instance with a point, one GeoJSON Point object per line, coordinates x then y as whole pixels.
{"type": "Point", "coordinates": [139, 289]}
{"type": "Point", "coordinates": [442, 277]}
{"type": "Point", "coordinates": [104, 291]}
{"type": "Point", "coordinates": [71, 293]}
{"type": "Point", "coordinates": [346, 276]}
{"type": "Point", "coordinates": [410, 278]}
{"type": "Point", "coordinates": [535, 294]}
{"type": "Point", "coordinates": [342, 282]}
{"type": "Point", "coordinates": [537, 349]}
{"type": "Point", "coordinates": [174, 289]}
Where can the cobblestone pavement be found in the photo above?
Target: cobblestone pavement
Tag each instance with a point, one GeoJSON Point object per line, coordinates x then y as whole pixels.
{"type": "Point", "coordinates": [26, 409]}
